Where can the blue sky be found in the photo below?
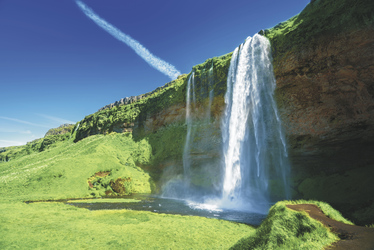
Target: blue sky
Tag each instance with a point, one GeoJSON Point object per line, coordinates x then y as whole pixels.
{"type": "Point", "coordinates": [57, 65]}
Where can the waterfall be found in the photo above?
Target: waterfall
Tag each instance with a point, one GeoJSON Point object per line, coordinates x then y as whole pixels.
{"type": "Point", "coordinates": [187, 146]}
{"type": "Point", "coordinates": [75, 130]}
{"type": "Point", "coordinates": [211, 92]}
{"type": "Point", "coordinates": [254, 148]}
{"type": "Point", "coordinates": [196, 158]}
{"type": "Point", "coordinates": [254, 153]}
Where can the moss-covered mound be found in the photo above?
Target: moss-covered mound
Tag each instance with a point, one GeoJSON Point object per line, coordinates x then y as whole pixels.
{"type": "Point", "coordinates": [287, 229]}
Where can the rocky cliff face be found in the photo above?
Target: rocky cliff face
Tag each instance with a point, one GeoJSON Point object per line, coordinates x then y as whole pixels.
{"type": "Point", "coordinates": [325, 96]}
{"type": "Point", "coordinates": [325, 93]}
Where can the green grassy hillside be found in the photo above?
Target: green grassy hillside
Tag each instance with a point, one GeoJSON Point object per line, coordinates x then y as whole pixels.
{"type": "Point", "coordinates": [63, 171]}
{"type": "Point", "coordinates": [35, 146]}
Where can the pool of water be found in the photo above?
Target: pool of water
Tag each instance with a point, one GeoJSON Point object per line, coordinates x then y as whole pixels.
{"type": "Point", "coordinates": [174, 206]}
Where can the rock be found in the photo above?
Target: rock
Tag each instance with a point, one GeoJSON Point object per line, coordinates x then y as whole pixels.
{"type": "Point", "coordinates": [122, 186]}
{"type": "Point", "coordinates": [63, 129]}
{"type": "Point", "coordinates": [325, 95]}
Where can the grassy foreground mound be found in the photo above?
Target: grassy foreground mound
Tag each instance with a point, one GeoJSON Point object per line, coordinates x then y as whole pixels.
{"type": "Point", "coordinates": [59, 226]}
{"type": "Point", "coordinates": [285, 228]}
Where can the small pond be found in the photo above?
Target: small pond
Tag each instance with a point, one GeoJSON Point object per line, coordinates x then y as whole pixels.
{"type": "Point", "coordinates": [158, 204]}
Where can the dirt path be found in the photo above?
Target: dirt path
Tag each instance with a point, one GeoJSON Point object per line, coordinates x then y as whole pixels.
{"type": "Point", "coordinates": [351, 237]}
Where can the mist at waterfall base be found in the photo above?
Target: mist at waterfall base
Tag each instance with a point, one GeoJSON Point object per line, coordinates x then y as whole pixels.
{"type": "Point", "coordinates": [254, 161]}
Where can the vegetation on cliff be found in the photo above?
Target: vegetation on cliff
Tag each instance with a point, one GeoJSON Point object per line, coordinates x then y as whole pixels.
{"type": "Point", "coordinates": [63, 129]}
{"type": "Point", "coordinates": [131, 117]}
{"type": "Point", "coordinates": [122, 118]}
{"type": "Point", "coordinates": [319, 18]}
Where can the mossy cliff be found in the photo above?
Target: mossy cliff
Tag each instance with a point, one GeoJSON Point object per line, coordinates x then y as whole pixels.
{"type": "Point", "coordinates": [323, 63]}
{"type": "Point", "coordinates": [324, 67]}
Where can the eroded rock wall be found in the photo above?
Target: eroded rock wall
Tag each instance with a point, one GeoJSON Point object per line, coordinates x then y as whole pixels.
{"type": "Point", "coordinates": [325, 94]}
{"type": "Point", "coordinates": [326, 98]}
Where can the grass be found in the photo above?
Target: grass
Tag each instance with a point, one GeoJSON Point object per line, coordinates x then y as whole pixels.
{"type": "Point", "coordinates": [108, 200]}
{"type": "Point", "coordinates": [35, 146]}
{"type": "Point", "coordinates": [63, 171]}
{"type": "Point", "coordinates": [59, 226]}
{"type": "Point", "coordinates": [288, 229]}
{"type": "Point", "coordinates": [328, 210]}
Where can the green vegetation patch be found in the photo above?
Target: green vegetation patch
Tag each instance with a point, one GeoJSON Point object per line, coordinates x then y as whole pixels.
{"type": "Point", "coordinates": [106, 200]}
{"type": "Point", "coordinates": [35, 146]}
{"type": "Point", "coordinates": [63, 171]}
{"type": "Point", "coordinates": [60, 226]}
{"type": "Point", "coordinates": [285, 228]}
{"type": "Point", "coordinates": [210, 76]}
{"type": "Point", "coordinates": [319, 18]}
{"type": "Point", "coordinates": [123, 118]}
{"type": "Point", "coordinates": [63, 129]}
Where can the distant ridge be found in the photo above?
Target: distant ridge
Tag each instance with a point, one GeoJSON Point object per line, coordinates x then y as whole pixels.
{"type": "Point", "coordinates": [131, 99]}
{"type": "Point", "coordinates": [63, 129]}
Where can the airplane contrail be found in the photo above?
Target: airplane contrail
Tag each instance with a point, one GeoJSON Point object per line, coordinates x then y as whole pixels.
{"type": "Point", "coordinates": [144, 53]}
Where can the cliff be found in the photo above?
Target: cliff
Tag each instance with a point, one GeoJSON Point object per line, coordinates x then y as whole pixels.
{"type": "Point", "coordinates": [132, 99]}
{"type": "Point", "coordinates": [63, 129]}
{"type": "Point", "coordinates": [324, 67]}
{"type": "Point", "coordinates": [323, 64]}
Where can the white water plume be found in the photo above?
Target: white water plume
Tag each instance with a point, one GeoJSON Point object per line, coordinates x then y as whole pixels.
{"type": "Point", "coordinates": [254, 146]}
{"type": "Point", "coordinates": [144, 53]}
{"type": "Point", "coordinates": [187, 146]}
